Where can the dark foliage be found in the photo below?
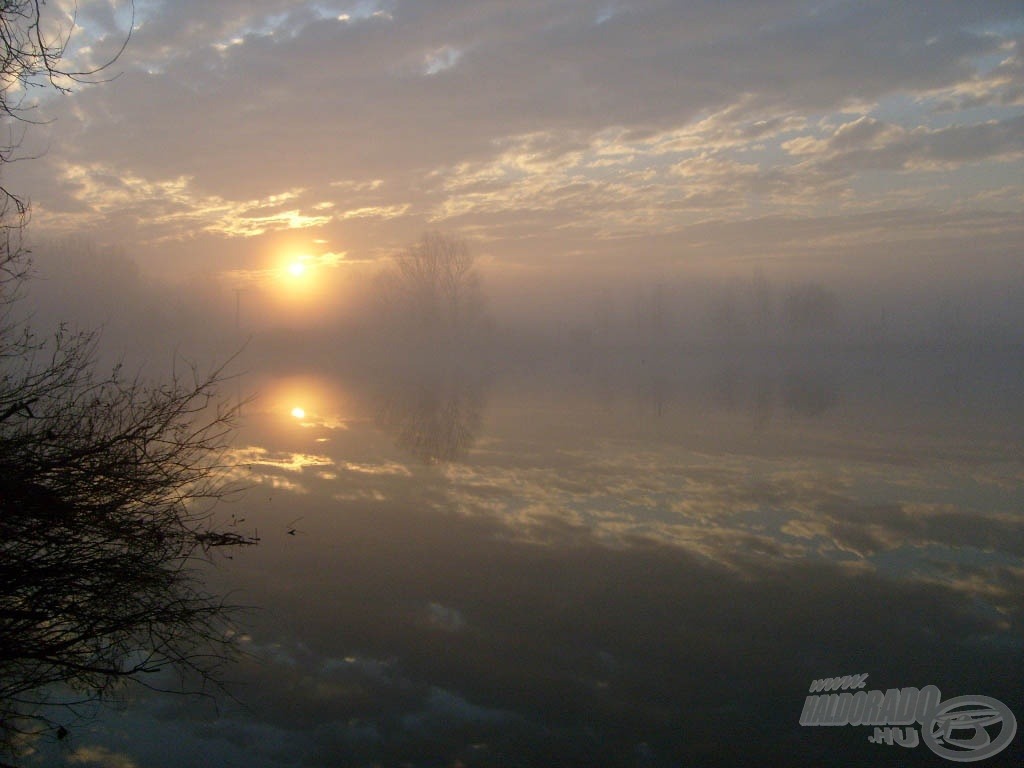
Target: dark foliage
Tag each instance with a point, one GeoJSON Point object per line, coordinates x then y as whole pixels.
{"type": "Point", "coordinates": [106, 484]}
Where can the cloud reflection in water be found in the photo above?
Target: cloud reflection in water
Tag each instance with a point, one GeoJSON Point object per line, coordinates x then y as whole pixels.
{"type": "Point", "coordinates": [583, 580]}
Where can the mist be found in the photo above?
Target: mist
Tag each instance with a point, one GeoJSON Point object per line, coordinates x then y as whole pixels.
{"type": "Point", "coordinates": [602, 312]}
{"type": "Point", "coordinates": [552, 384]}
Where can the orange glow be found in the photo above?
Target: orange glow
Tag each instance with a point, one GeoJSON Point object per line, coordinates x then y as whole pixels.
{"type": "Point", "coordinates": [298, 266]}
{"type": "Point", "coordinates": [310, 402]}
{"type": "Point", "coordinates": [295, 288]}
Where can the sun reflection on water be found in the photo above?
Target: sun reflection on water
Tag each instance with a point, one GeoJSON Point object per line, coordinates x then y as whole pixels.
{"type": "Point", "coordinates": [305, 401]}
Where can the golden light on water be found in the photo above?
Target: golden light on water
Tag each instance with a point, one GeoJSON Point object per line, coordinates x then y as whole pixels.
{"type": "Point", "coordinates": [295, 404]}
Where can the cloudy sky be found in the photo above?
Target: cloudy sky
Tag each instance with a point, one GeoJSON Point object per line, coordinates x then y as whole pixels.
{"type": "Point", "coordinates": [869, 139]}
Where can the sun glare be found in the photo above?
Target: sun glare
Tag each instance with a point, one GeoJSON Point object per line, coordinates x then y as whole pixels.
{"type": "Point", "coordinates": [295, 282]}
{"type": "Point", "coordinates": [298, 413]}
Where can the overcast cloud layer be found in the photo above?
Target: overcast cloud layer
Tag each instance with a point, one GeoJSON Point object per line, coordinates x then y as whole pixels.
{"type": "Point", "coordinates": [796, 135]}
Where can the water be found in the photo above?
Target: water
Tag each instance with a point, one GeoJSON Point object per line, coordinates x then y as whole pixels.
{"type": "Point", "coordinates": [607, 558]}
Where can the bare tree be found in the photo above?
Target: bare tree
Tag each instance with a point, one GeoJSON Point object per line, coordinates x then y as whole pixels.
{"type": "Point", "coordinates": [811, 308]}
{"type": "Point", "coordinates": [106, 484]}
{"type": "Point", "coordinates": [32, 57]}
{"type": "Point", "coordinates": [433, 288]}
{"type": "Point", "coordinates": [761, 303]}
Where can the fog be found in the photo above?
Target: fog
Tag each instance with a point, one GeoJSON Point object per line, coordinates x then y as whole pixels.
{"type": "Point", "coordinates": [600, 313]}
{"type": "Point", "coordinates": [592, 377]}
{"type": "Point", "coordinates": [550, 515]}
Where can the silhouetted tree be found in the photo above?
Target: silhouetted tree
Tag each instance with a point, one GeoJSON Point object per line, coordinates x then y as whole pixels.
{"type": "Point", "coordinates": [32, 48]}
{"type": "Point", "coordinates": [433, 289]}
{"type": "Point", "coordinates": [105, 491]}
{"type": "Point", "coordinates": [106, 484]}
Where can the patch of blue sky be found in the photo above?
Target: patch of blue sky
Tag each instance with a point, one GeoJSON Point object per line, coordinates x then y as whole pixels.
{"type": "Point", "coordinates": [937, 560]}
{"type": "Point", "coordinates": [607, 13]}
{"type": "Point", "coordinates": [1010, 28]}
{"type": "Point", "coordinates": [281, 22]}
{"type": "Point", "coordinates": [268, 25]}
{"type": "Point", "coordinates": [648, 507]}
{"type": "Point", "coordinates": [903, 109]}
{"type": "Point", "coordinates": [95, 20]}
{"type": "Point", "coordinates": [768, 152]}
{"type": "Point", "coordinates": [442, 59]}
{"type": "Point", "coordinates": [364, 9]}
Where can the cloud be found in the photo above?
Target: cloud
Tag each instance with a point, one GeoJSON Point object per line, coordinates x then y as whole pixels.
{"type": "Point", "coordinates": [1000, 86]}
{"type": "Point", "coordinates": [369, 682]}
{"type": "Point", "coordinates": [543, 128]}
{"type": "Point", "coordinates": [169, 208]}
{"type": "Point", "coordinates": [276, 469]}
{"type": "Point", "coordinates": [867, 144]}
{"type": "Point", "coordinates": [445, 618]}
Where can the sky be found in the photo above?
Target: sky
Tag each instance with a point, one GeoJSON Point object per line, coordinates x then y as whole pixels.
{"type": "Point", "coordinates": [603, 158]}
{"type": "Point", "coordinates": [871, 142]}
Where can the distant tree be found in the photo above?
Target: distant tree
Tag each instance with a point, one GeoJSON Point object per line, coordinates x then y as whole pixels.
{"type": "Point", "coordinates": [605, 316]}
{"type": "Point", "coordinates": [810, 307]}
{"type": "Point", "coordinates": [761, 304]}
{"type": "Point", "coordinates": [433, 288]}
{"type": "Point", "coordinates": [726, 313]}
{"type": "Point", "coordinates": [106, 484]}
{"type": "Point", "coordinates": [653, 315]}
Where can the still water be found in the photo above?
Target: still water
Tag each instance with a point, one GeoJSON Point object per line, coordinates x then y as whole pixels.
{"type": "Point", "coordinates": [607, 559]}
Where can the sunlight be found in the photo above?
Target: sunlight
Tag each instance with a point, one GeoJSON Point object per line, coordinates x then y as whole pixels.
{"type": "Point", "coordinates": [297, 266]}
{"type": "Point", "coordinates": [296, 283]}
{"type": "Point", "coordinates": [304, 402]}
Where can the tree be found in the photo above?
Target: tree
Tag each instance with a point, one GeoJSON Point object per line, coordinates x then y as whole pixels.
{"type": "Point", "coordinates": [105, 491]}
{"type": "Point", "coordinates": [432, 288]}
{"type": "Point", "coordinates": [811, 307]}
{"type": "Point", "coordinates": [32, 57]}
{"type": "Point", "coordinates": [106, 486]}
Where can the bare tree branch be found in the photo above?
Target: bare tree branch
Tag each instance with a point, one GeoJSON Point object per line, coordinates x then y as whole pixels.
{"type": "Point", "coordinates": [107, 482]}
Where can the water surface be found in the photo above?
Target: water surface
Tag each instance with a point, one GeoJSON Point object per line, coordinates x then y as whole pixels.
{"type": "Point", "coordinates": [609, 559]}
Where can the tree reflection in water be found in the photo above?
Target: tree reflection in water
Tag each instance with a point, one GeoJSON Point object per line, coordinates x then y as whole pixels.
{"type": "Point", "coordinates": [433, 414]}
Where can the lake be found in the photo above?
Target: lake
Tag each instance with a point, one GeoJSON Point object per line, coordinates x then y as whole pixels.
{"type": "Point", "coordinates": [607, 557]}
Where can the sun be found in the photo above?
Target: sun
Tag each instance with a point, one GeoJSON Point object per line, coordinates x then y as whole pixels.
{"type": "Point", "coordinates": [297, 279]}
{"type": "Point", "coordinates": [298, 413]}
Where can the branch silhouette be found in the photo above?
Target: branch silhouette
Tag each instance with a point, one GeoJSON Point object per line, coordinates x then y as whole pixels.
{"type": "Point", "coordinates": [107, 483]}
